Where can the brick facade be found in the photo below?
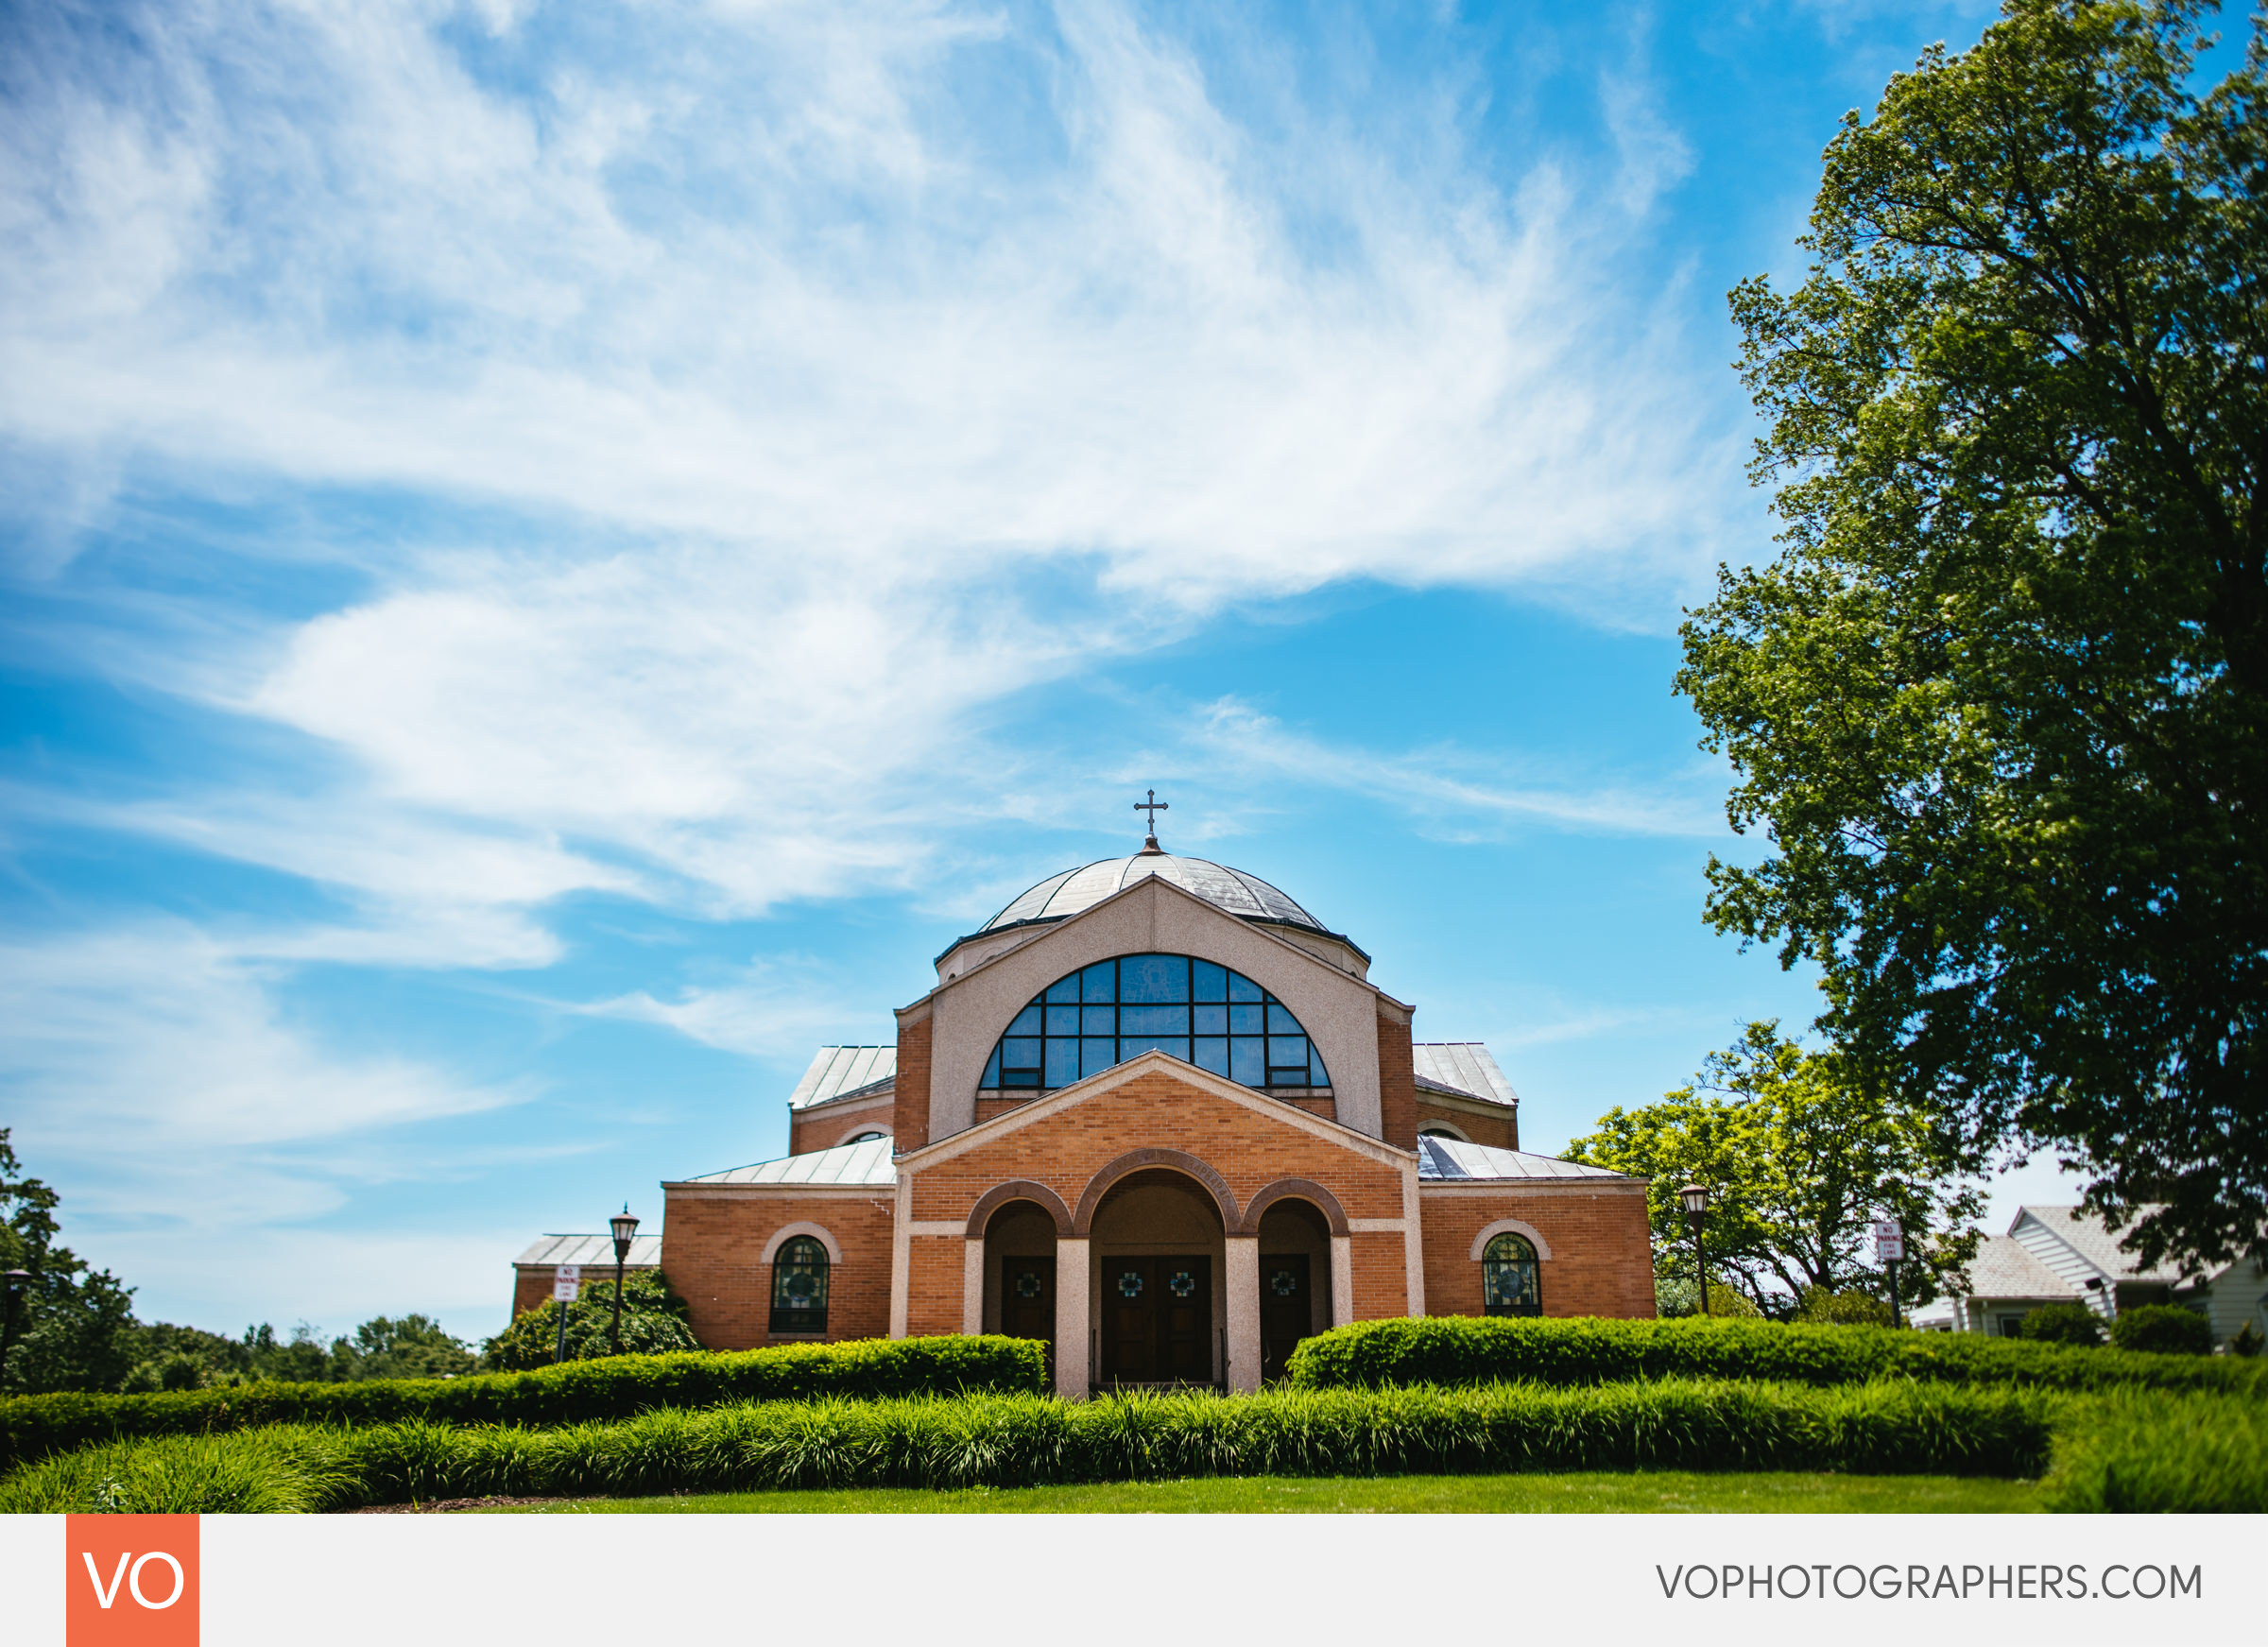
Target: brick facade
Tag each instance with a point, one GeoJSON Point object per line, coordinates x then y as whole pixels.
{"type": "Point", "coordinates": [825, 1129]}
{"type": "Point", "coordinates": [1499, 1129]}
{"type": "Point", "coordinates": [713, 1253]}
{"type": "Point", "coordinates": [911, 1126]}
{"type": "Point", "coordinates": [1397, 1081]}
{"type": "Point", "coordinates": [1602, 1261]}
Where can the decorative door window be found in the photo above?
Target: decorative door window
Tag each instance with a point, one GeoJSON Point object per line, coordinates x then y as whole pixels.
{"type": "Point", "coordinates": [1510, 1280]}
{"type": "Point", "coordinates": [1182, 1284]}
{"type": "Point", "coordinates": [1284, 1283]}
{"type": "Point", "coordinates": [1129, 1284]}
{"type": "Point", "coordinates": [1027, 1284]}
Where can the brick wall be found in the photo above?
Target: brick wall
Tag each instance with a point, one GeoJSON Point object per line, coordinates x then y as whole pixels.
{"type": "Point", "coordinates": [987, 1108]}
{"type": "Point", "coordinates": [1497, 1132]}
{"type": "Point", "coordinates": [1397, 1083]}
{"type": "Point", "coordinates": [825, 1129]}
{"type": "Point", "coordinates": [1602, 1261]}
{"type": "Point", "coordinates": [712, 1248]}
{"type": "Point", "coordinates": [910, 1129]}
{"type": "Point", "coordinates": [935, 1276]}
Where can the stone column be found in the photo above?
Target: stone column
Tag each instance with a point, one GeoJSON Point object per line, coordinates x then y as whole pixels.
{"type": "Point", "coordinates": [1342, 1279]}
{"type": "Point", "coordinates": [1072, 1334]}
{"type": "Point", "coordinates": [972, 1284]}
{"type": "Point", "coordinates": [1243, 1281]}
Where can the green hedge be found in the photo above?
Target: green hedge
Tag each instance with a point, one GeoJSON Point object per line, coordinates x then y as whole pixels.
{"type": "Point", "coordinates": [1899, 1428]}
{"type": "Point", "coordinates": [1588, 1349]}
{"type": "Point", "coordinates": [577, 1392]}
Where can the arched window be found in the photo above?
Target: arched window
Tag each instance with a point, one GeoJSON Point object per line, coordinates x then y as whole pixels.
{"type": "Point", "coordinates": [1199, 1011]}
{"type": "Point", "coordinates": [1510, 1283]}
{"type": "Point", "coordinates": [800, 1287]}
{"type": "Point", "coordinates": [866, 1138]}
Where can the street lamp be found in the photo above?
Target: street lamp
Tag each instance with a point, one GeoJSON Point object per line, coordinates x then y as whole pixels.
{"type": "Point", "coordinates": [17, 1280]}
{"type": "Point", "coordinates": [1695, 1197]}
{"type": "Point", "coordinates": [625, 1225]}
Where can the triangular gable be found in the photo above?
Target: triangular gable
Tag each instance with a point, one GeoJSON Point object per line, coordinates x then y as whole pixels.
{"type": "Point", "coordinates": [1108, 1081]}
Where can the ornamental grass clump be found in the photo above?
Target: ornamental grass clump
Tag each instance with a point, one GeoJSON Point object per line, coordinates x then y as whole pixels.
{"type": "Point", "coordinates": [1027, 1440]}
{"type": "Point", "coordinates": [2131, 1451]}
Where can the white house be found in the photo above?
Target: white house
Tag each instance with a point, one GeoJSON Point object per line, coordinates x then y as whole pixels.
{"type": "Point", "coordinates": [2061, 1255]}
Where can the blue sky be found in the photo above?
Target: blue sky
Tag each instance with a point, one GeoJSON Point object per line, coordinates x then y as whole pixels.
{"type": "Point", "coordinates": [555, 555]}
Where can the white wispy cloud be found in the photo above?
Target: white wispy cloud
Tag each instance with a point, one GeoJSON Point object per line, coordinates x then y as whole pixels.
{"type": "Point", "coordinates": [1462, 790]}
{"type": "Point", "coordinates": [805, 361]}
{"type": "Point", "coordinates": [829, 376]}
{"type": "Point", "coordinates": [776, 1006]}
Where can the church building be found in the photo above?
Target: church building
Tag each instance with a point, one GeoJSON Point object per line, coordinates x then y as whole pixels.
{"type": "Point", "coordinates": [1155, 1114]}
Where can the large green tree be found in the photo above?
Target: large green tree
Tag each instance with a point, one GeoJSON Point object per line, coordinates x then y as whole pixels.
{"type": "Point", "coordinates": [1799, 1154]}
{"type": "Point", "coordinates": [71, 1330]}
{"type": "Point", "coordinates": [2000, 702]}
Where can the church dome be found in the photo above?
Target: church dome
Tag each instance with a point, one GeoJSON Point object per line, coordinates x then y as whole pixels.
{"type": "Point", "coordinates": [1246, 895]}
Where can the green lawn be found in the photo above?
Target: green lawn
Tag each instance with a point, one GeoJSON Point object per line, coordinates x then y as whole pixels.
{"type": "Point", "coordinates": [1664, 1492]}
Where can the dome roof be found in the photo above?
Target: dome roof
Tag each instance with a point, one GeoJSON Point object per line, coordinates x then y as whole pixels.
{"type": "Point", "coordinates": [1232, 890]}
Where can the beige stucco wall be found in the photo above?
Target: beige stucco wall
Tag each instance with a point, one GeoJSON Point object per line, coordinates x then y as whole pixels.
{"type": "Point", "coordinates": [1339, 1012]}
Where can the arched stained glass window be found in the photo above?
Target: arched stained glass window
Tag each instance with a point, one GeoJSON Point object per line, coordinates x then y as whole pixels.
{"type": "Point", "coordinates": [799, 1286]}
{"type": "Point", "coordinates": [1199, 1011]}
{"type": "Point", "coordinates": [1510, 1284]}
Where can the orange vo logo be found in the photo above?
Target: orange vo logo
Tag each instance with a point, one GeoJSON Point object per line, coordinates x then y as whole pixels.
{"type": "Point", "coordinates": [130, 1581]}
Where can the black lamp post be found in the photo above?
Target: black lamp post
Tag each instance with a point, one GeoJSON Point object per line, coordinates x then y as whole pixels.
{"type": "Point", "coordinates": [625, 1225]}
{"type": "Point", "coordinates": [1695, 1197]}
{"type": "Point", "coordinates": [13, 1301]}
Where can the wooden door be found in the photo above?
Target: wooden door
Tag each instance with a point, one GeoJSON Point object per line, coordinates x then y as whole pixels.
{"type": "Point", "coordinates": [1028, 1301]}
{"type": "Point", "coordinates": [1185, 1319]}
{"type": "Point", "coordinates": [1130, 1320]}
{"type": "Point", "coordinates": [1287, 1311]}
{"type": "Point", "coordinates": [1158, 1320]}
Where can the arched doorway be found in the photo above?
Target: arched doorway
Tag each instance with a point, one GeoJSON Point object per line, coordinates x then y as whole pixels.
{"type": "Point", "coordinates": [1020, 1272]}
{"type": "Point", "coordinates": [1295, 1279]}
{"type": "Point", "coordinates": [1159, 1251]}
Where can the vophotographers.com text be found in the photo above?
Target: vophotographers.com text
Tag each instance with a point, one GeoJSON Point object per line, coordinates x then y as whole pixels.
{"type": "Point", "coordinates": [1889, 1581]}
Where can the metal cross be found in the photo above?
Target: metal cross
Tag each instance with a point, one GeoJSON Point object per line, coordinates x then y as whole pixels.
{"type": "Point", "coordinates": [1153, 806]}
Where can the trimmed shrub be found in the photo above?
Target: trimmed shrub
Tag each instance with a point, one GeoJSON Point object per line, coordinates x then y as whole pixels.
{"type": "Point", "coordinates": [578, 1392]}
{"type": "Point", "coordinates": [1027, 1440]}
{"type": "Point", "coordinates": [1464, 1350]}
{"type": "Point", "coordinates": [1852, 1307]}
{"type": "Point", "coordinates": [653, 1323]}
{"type": "Point", "coordinates": [2163, 1330]}
{"type": "Point", "coordinates": [2062, 1324]}
{"type": "Point", "coordinates": [2132, 1451]}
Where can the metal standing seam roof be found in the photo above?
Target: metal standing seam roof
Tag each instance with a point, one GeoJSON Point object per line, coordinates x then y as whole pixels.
{"type": "Point", "coordinates": [1234, 891]}
{"type": "Point", "coordinates": [2005, 1268]}
{"type": "Point", "coordinates": [592, 1251]}
{"type": "Point", "coordinates": [1082, 888]}
{"type": "Point", "coordinates": [1462, 1065]}
{"type": "Point", "coordinates": [838, 1071]}
{"type": "Point", "coordinates": [846, 1163]}
{"type": "Point", "coordinates": [1452, 1160]}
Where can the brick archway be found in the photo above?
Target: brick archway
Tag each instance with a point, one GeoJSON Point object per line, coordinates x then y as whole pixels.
{"type": "Point", "coordinates": [1082, 1221]}
{"type": "Point", "coordinates": [1018, 1189]}
{"type": "Point", "coordinates": [1296, 1189]}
